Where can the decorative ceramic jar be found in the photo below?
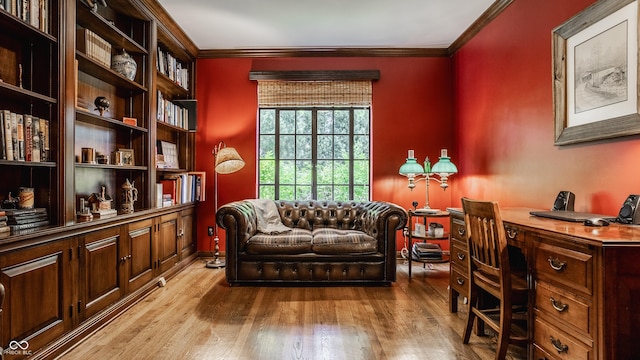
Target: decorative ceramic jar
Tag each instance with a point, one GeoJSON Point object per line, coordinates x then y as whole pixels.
{"type": "Point", "coordinates": [124, 64]}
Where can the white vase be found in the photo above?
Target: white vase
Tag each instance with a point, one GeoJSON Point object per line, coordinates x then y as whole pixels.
{"type": "Point", "coordinates": [124, 64]}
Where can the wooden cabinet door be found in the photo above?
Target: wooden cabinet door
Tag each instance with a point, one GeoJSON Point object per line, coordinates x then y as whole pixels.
{"type": "Point", "coordinates": [186, 233]}
{"type": "Point", "coordinates": [101, 280]}
{"type": "Point", "coordinates": [167, 245]}
{"type": "Point", "coordinates": [38, 306]}
{"type": "Point", "coordinates": [138, 253]}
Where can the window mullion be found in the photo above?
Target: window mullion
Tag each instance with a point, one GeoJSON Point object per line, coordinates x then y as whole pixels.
{"type": "Point", "coordinates": [277, 155]}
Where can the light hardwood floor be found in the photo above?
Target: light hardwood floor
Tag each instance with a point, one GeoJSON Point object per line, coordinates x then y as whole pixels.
{"type": "Point", "coordinates": [198, 316]}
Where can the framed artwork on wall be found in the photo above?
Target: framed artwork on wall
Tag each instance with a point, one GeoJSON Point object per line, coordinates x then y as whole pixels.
{"type": "Point", "coordinates": [595, 73]}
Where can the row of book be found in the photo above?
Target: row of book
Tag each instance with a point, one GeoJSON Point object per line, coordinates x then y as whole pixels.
{"type": "Point", "coordinates": [181, 188]}
{"type": "Point", "coordinates": [16, 221]}
{"type": "Point", "coordinates": [23, 137]}
{"type": "Point", "coordinates": [171, 113]}
{"type": "Point", "coordinates": [95, 47]}
{"type": "Point", "coordinates": [33, 12]}
{"type": "Point", "coordinates": [172, 68]}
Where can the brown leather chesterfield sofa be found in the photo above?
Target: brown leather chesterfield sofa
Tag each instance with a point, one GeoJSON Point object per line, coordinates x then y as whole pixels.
{"type": "Point", "coordinates": [329, 243]}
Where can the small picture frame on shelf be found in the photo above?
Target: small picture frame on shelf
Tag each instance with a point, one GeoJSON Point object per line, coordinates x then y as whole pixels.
{"type": "Point", "coordinates": [126, 157]}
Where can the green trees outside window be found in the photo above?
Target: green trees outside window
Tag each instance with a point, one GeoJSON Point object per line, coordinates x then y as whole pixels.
{"type": "Point", "coordinates": [314, 153]}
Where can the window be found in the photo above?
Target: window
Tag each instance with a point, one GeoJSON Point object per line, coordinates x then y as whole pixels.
{"type": "Point", "coordinates": [314, 153]}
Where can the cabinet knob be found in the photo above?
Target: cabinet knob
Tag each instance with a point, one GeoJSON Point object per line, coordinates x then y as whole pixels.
{"type": "Point", "coordinates": [460, 256]}
{"type": "Point", "coordinates": [461, 231]}
{"type": "Point", "coordinates": [460, 281]}
{"type": "Point", "coordinates": [512, 234]}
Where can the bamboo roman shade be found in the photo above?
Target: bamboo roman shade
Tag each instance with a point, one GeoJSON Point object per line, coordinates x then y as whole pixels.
{"type": "Point", "coordinates": [314, 93]}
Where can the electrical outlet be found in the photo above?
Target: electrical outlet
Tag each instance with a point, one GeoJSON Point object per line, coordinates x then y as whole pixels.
{"type": "Point", "coordinates": [210, 230]}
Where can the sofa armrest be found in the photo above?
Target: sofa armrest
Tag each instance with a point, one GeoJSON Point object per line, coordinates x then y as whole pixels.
{"type": "Point", "coordinates": [381, 220]}
{"type": "Point", "coordinates": [239, 221]}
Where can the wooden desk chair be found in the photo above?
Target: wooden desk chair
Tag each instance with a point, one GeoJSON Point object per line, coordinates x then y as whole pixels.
{"type": "Point", "coordinates": [490, 273]}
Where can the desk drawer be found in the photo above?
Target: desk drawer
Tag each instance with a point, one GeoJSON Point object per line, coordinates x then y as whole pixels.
{"type": "Point", "coordinates": [458, 230]}
{"type": "Point", "coordinates": [558, 343]}
{"type": "Point", "coordinates": [568, 267]}
{"type": "Point", "coordinates": [562, 308]}
{"type": "Point", "coordinates": [459, 255]}
{"type": "Point", "coordinates": [459, 281]}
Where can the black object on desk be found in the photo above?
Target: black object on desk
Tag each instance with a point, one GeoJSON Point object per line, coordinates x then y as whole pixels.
{"type": "Point", "coordinates": [573, 216]}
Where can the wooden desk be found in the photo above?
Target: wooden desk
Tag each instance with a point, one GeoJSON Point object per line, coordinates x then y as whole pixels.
{"type": "Point", "coordinates": [584, 281]}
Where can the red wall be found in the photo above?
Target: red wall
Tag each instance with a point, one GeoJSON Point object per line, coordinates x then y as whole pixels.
{"type": "Point", "coordinates": [504, 128]}
{"type": "Point", "coordinates": [412, 109]}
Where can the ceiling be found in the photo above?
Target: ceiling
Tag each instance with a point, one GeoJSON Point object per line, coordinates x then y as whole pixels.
{"type": "Point", "coordinates": [278, 24]}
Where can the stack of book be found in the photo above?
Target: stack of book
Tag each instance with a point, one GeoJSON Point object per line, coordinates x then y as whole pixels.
{"type": "Point", "coordinates": [4, 227]}
{"type": "Point", "coordinates": [426, 251]}
{"type": "Point", "coordinates": [19, 220]}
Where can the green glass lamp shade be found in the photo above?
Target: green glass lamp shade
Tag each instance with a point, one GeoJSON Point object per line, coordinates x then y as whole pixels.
{"type": "Point", "coordinates": [411, 167]}
{"type": "Point", "coordinates": [444, 165]}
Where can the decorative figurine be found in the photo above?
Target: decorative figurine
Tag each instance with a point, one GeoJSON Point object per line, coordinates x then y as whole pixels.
{"type": "Point", "coordinates": [10, 202]}
{"type": "Point", "coordinates": [102, 104]}
{"type": "Point", "coordinates": [129, 196]}
{"type": "Point", "coordinates": [125, 65]}
{"type": "Point", "coordinates": [100, 204]}
{"type": "Point", "coordinates": [83, 213]}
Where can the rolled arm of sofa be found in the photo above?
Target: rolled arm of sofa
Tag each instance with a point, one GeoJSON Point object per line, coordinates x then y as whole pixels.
{"type": "Point", "coordinates": [381, 220]}
{"type": "Point", "coordinates": [239, 221]}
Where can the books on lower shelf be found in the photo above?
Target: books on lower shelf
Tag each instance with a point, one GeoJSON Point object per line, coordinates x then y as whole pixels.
{"type": "Point", "coordinates": [23, 219]}
{"type": "Point", "coordinates": [426, 251]}
{"type": "Point", "coordinates": [23, 137]}
{"type": "Point", "coordinates": [182, 188]}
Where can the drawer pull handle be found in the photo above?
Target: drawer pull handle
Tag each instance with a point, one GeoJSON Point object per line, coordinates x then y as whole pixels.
{"type": "Point", "coordinates": [512, 234]}
{"type": "Point", "coordinates": [560, 307]}
{"type": "Point", "coordinates": [558, 345]}
{"type": "Point", "coordinates": [460, 256]}
{"type": "Point", "coordinates": [461, 231]}
{"type": "Point", "coordinates": [460, 281]}
{"type": "Point", "coordinates": [556, 264]}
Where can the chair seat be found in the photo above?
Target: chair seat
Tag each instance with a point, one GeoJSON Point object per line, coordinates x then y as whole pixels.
{"type": "Point", "coordinates": [491, 284]}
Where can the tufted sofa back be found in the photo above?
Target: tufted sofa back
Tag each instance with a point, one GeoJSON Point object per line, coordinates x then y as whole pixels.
{"type": "Point", "coordinates": [320, 214]}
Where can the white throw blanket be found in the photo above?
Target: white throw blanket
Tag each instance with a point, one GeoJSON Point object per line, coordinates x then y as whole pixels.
{"type": "Point", "coordinates": [268, 217]}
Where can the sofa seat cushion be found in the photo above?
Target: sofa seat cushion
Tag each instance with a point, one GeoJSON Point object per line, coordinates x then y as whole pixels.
{"type": "Point", "coordinates": [296, 241]}
{"type": "Point", "coordinates": [335, 241]}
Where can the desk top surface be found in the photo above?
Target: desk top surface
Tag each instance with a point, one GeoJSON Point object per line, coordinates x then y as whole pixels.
{"type": "Point", "coordinates": [614, 234]}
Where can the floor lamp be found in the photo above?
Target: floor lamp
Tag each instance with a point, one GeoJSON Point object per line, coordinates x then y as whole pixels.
{"type": "Point", "coordinates": [227, 161]}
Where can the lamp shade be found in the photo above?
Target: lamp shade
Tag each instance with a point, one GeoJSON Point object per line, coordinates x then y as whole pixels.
{"type": "Point", "coordinates": [444, 166]}
{"type": "Point", "coordinates": [228, 161]}
{"type": "Point", "coordinates": [411, 166]}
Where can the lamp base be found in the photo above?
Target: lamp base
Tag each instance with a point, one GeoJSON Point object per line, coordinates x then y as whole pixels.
{"type": "Point", "coordinates": [215, 264]}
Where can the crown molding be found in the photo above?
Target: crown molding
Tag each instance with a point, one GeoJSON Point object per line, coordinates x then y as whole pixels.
{"type": "Point", "coordinates": [491, 13]}
{"type": "Point", "coordinates": [324, 52]}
